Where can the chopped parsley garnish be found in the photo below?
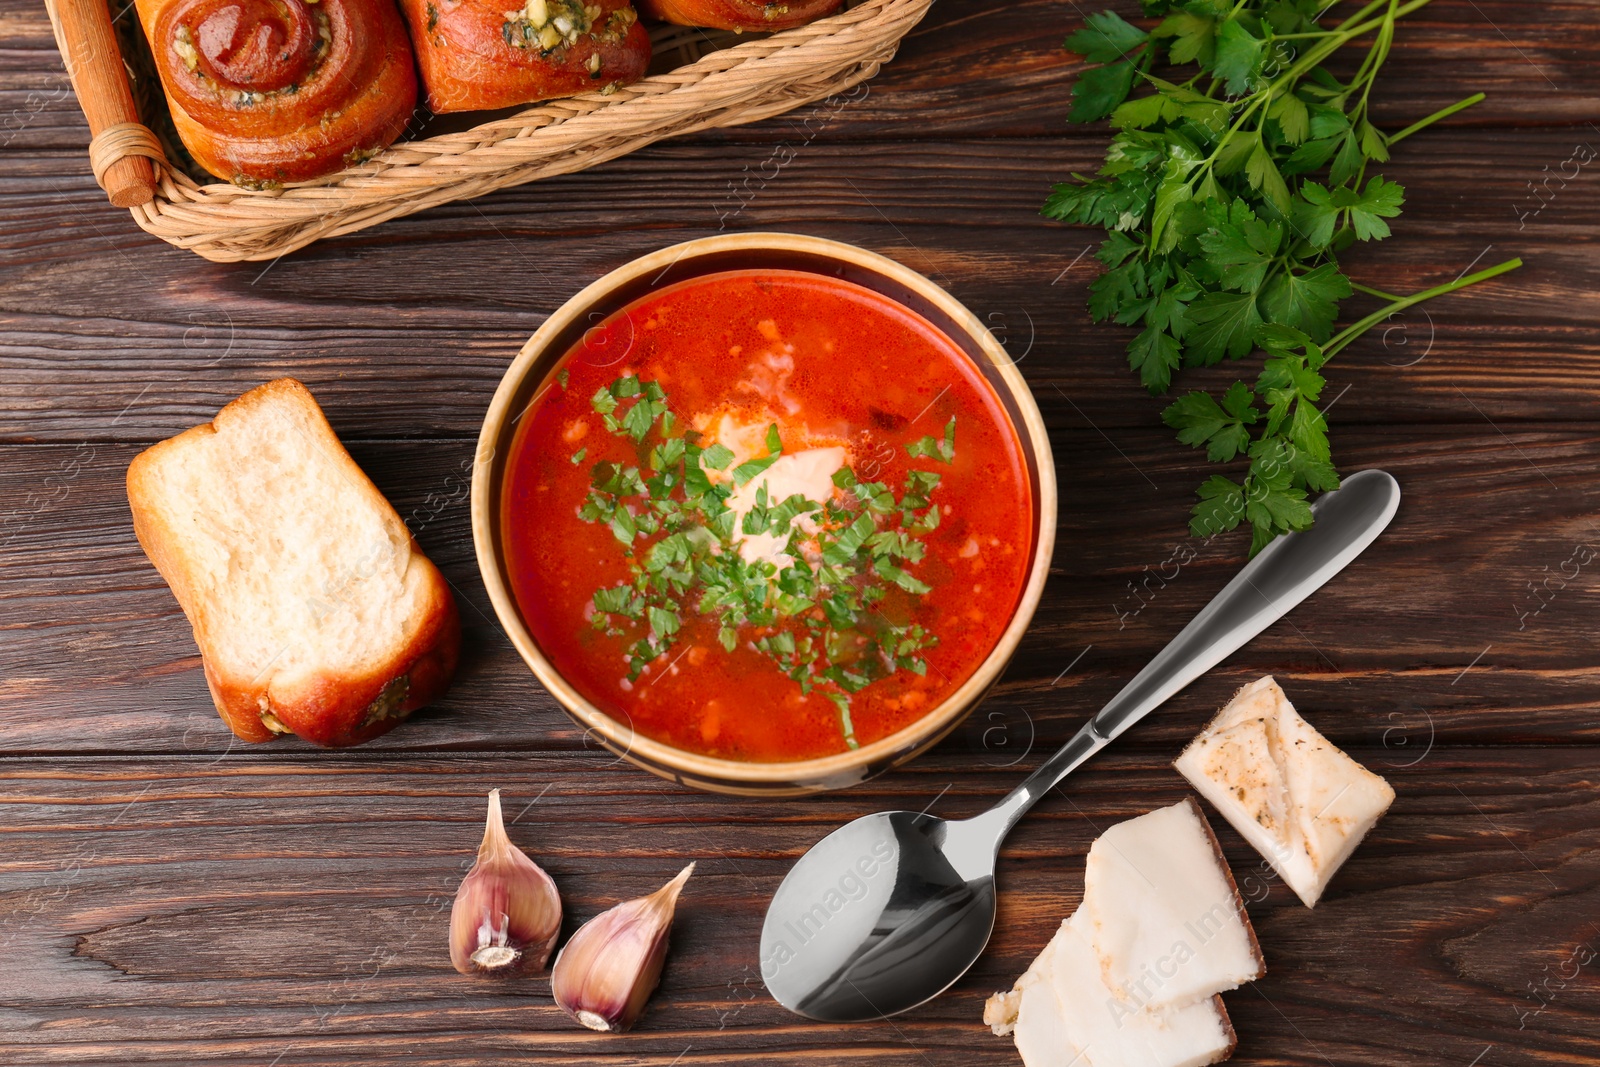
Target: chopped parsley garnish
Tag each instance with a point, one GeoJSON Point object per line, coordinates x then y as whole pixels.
{"type": "Point", "coordinates": [934, 448]}
{"type": "Point", "coordinates": [750, 468]}
{"type": "Point", "coordinates": [824, 617]}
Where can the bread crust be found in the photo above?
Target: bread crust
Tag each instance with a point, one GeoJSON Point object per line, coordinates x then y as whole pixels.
{"type": "Point", "coordinates": [334, 709]}
{"type": "Point", "coordinates": [757, 15]}
{"type": "Point", "coordinates": [468, 62]}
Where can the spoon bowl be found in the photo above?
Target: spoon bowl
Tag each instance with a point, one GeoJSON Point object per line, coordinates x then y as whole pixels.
{"type": "Point", "coordinates": [880, 916]}
{"type": "Point", "coordinates": [890, 910]}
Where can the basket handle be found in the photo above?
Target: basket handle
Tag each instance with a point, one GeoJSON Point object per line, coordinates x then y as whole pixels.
{"type": "Point", "coordinates": [89, 47]}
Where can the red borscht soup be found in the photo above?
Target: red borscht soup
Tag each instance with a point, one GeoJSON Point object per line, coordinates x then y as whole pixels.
{"type": "Point", "coordinates": [766, 515]}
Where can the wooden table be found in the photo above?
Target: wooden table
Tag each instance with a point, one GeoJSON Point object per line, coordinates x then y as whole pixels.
{"type": "Point", "coordinates": [169, 896]}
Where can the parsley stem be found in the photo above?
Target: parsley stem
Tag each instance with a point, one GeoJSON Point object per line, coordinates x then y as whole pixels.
{"type": "Point", "coordinates": [1373, 24]}
{"type": "Point", "coordinates": [1377, 54]}
{"type": "Point", "coordinates": [1379, 293]}
{"type": "Point", "coordinates": [1366, 12]}
{"type": "Point", "coordinates": [1344, 33]}
{"type": "Point", "coordinates": [1356, 329]}
{"type": "Point", "coordinates": [1422, 124]}
{"type": "Point", "coordinates": [847, 727]}
{"type": "Point", "coordinates": [1334, 40]}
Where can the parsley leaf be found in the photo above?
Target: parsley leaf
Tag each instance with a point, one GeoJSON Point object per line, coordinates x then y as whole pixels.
{"type": "Point", "coordinates": [1238, 57]}
{"type": "Point", "coordinates": [1105, 38]}
{"type": "Point", "coordinates": [1308, 302]}
{"type": "Point", "coordinates": [1194, 37]}
{"type": "Point", "coordinates": [931, 447]}
{"type": "Point", "coordinates": [1155, 354]}
{"type": "Point", "coordinates": [752, 467]}
{"type": "Point", "coordinates": [1222, 428]}
{"type": "Point", "coordinates": [1240, 248]}
{"type": "Point", "coordinates": [663, 623]}
{"type": "Point", "coordinates": [1099, 90]}
{"type": "Point", "coordinates": [1221, 324]}
{"type": "Point", "coordinates": [1119, 205]}
{"type": "Point", "coordinates": [1380, 200]}
{"type": "Point", "coordinates": [1292, 116]}
{"type": "Point", "coordinates": [1221, 507]}
{"type": "Point", "coordinates": [899, 577]}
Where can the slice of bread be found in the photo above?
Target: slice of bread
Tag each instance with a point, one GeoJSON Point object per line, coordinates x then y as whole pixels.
{"type": "Point", "coordinates": [315, 612]}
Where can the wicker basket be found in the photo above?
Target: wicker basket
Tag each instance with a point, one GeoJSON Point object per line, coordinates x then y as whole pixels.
{"type": "Point", "coordinates": [750, 79]}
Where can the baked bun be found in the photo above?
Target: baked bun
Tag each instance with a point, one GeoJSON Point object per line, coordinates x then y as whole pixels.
{"type": "Point", "coordinates": [477, 55]}
{"type": "Point", "coordinates": [315, 612]}
{"type": "Point", "coordinates": [264, 92]}
{"type": "Point", "coordinates": [739, 14]}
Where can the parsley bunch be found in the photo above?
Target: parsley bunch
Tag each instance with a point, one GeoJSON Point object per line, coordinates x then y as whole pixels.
{"type": "Point", "coordinates": [822, 618]}
{"type": "Point", "coordinates": [1227, 200]}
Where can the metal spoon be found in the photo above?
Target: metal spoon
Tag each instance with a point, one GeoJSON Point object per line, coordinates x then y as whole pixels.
{"type": "Point", "coordinates": [888, 911]}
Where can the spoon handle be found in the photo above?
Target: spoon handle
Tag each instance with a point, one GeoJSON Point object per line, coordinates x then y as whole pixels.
{"type": "Point", "coordinates": [1282, 575]}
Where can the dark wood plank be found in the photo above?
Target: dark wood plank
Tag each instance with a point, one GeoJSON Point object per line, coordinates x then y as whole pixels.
{"type": "Point", "coordinates": [259, 908]}
{"type": "Point", "coordinates": [992, 69]}
{"type": "Point", "coordinates": [86, 354]}
{"type": "Point", "coordinates": [97, 656]}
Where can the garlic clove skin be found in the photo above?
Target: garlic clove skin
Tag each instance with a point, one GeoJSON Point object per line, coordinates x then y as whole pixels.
{"type": "Point", "coordinates": [507, 913]}
{"type": "Point", "coordinates": [607, 972]}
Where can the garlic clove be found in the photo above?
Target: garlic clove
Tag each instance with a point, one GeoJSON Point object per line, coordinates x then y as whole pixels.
{"type": "Point", "coordinates": [507, 913]}
{"type": "Point", "coordinates": [608, 970]}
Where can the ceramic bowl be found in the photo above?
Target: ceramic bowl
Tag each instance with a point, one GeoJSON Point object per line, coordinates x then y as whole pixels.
{"type": "Point", "coordinates": [567, 326]}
